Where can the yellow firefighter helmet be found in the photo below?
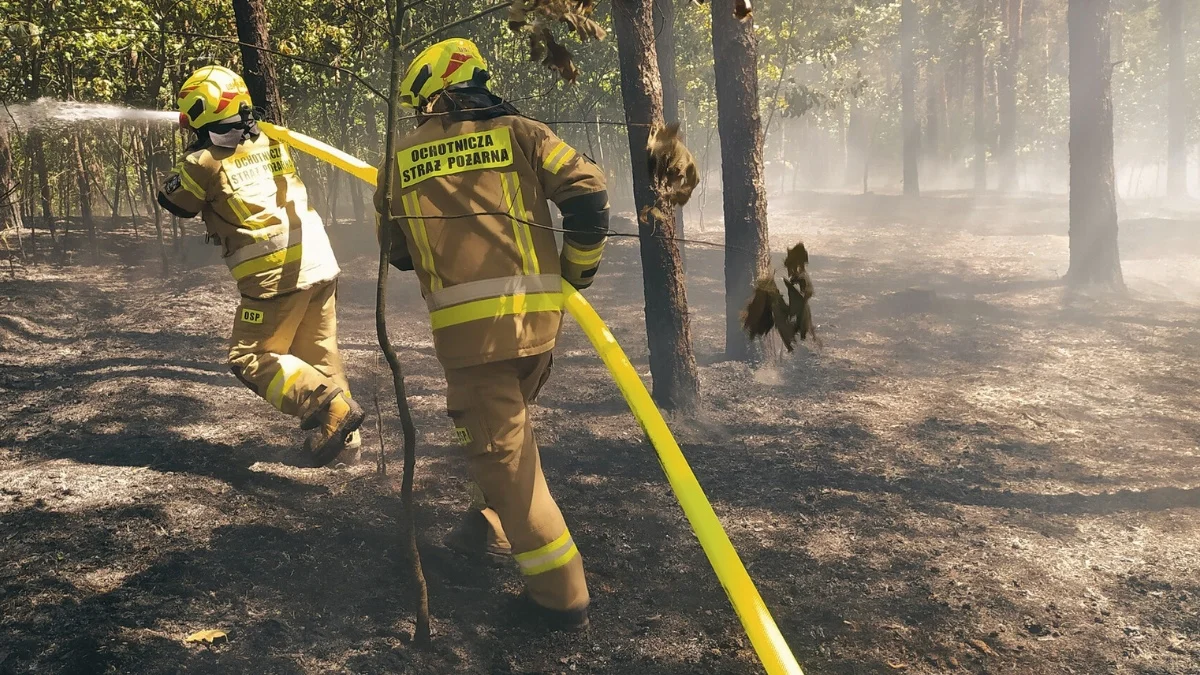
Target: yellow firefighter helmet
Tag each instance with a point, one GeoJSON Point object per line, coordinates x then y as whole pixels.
{"type": "Point", "coordinates": [211, 94]}
{"type": "Point", "coordinates": [443, 65]}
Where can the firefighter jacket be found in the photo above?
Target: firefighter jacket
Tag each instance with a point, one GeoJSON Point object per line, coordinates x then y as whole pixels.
{"type": "Point", "coordinates": [255, 206]}
{"type": "Point", "coordinates": [469, 213]}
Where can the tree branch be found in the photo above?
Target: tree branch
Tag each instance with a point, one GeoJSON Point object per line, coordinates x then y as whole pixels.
{"type": "Point", "coordinates": [227, 41]}
{"type": "Point", "coordinates": [454, 24]}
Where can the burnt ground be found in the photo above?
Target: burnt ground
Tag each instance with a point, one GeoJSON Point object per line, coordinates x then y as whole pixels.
{"type": "Point", "coordinates": [980, 471]}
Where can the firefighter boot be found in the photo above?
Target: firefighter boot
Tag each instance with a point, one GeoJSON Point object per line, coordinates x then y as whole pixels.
{"type": "Point", "coordinates": [479, 534]}
{"type": "Point", "coordinates": [335, 422]}
{"type": "Point", "coordinates": [352, 453]}
{"type": "Point", "coordinates": [528, 611]}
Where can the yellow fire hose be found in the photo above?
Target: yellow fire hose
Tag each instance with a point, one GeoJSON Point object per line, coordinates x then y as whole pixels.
{"type": "Point", "coordinates": [764, 635]}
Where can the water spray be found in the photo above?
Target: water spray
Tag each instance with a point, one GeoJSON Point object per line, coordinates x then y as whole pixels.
{"type": "Point", "coordinates": [51, 113]}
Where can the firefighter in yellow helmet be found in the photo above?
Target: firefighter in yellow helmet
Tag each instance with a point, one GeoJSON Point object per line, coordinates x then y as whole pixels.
{"type": "Point", "coordinates": [470, 215]}
{"type": "Point", "coordinates": [245, 186]}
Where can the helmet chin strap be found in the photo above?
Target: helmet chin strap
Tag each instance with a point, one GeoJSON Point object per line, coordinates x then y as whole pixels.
{"type": "Point", "coordinates": [231, 131]}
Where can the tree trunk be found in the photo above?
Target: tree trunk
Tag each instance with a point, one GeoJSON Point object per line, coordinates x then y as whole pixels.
{"type": "Point", "coordinates": [258, 67]}
{"type": "Point", "coordinates": [85, 197]}
{"type": "Point", "coordinates": [934, 99]}
{"type": "Point", "coordinates": [1006, 76]}
{"type": "Point", "coordinates": [1095, 257]}
{"type": "Point", "coordinates": [45, 197]}
{"type": "Point", "coordinates": [935, 86]}
{"type": "Point", "coordinates": [856, 144]}
{"type": "Point", "coordinates": [118, 178]}
{"type": "Point", "coordinates": [664, 31]}
{"type": "Point", "coordinates": [747, 253]}
{"type": "Point", "coordinates": [10, 203]}
{"type": "Point", "coordinates": [908, 74]}
{"type": "Point", "coordinates": [981, 130]}
{"type": "Point", "coordinates": [1177, 99]}
{"type": "Point", "coordinates": [151, 180]}
{"type": "Point", "coordinates": [672, 363]}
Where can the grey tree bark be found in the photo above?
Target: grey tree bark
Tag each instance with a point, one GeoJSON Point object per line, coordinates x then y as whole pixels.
{"type": "Point", "coordinates": [747, 253]}
{"type": "Point", "coordinates": [981, 104]}
{"type": "Point", "coordinates": [908, 75]}
{"type": "Point", "coordinates": [1006, 77]}
{"type": "Point", "coordinates": [1095, 256]}
{"type": "Point", "coordinates": [10, 204]}
{"type": "Point", "coordinates": [664, 31]}
{"type": "Point", "coordinates": [668, 327]}
{"type": "Point", "coordinates": [258, 67]}
{"type": "Point", "coordinates": [1173, 15]}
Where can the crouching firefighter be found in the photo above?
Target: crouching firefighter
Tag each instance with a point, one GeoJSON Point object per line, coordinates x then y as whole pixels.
{"type": "Point", "coordinates": [470, 216]}
{"type": "Point", "coordinates": [245, 186]}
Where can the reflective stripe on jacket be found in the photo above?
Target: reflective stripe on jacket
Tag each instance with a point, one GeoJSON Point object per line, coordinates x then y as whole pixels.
{"type": "Point", "coordinates": [256, 206]}
{"type": "Point", "coordinates": [471, 202]}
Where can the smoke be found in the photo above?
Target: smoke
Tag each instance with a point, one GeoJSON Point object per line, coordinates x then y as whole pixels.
{"type": "Point", "coordinates": [51, 113]}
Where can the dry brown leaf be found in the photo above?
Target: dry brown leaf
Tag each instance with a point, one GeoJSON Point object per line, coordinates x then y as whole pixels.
{"type": "Point", "coordinates": [791, 318]}
{"type": "Point", "coordinates": [558, 58]}
{"type": "Point", "coordinates": [758, 319]}
{"type": "Point", "coordinates": [535, 16]}
{"type": "Point", "coordinates": [209, 636]}
{"type": "Point", "coordinates": [982, 646]}
{"type": "Point", "coordinates": [797, 258]}
{"type": "Point", "coordinates": [649, 212]}
{"type": "Point", "coordinates": [896, 665]}
{"type": "Point", "coordinates": [518, 16]}
{"type": "Point", "coordinates": [584, 26]}
{"type": "Point", "coordinates": [671, 164]}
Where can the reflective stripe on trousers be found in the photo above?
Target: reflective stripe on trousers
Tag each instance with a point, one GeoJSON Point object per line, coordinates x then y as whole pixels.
{"type": "Point", "coordinates": [550, 557]}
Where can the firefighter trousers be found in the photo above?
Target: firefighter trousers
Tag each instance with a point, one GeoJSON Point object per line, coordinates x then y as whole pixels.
{"type": "Point", "coordinates": [489, 407]}
{"type": "Point", "coordinates": [285, 349]}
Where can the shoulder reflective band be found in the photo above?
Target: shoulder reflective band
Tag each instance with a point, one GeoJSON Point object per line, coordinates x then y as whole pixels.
{"type": "Point", "coordinates": [764, 635]}
{"type": "Point", "coordinates": [756, 619]}
{"type": "Point", "coordinates": [489, 149]}
{"type": "Point", "coordinates": [559, 155]}
{"type": "Point", "coordinates": [189, 183]}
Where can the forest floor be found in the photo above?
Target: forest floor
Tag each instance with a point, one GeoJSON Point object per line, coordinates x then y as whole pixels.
{"type": "Point", "coordinates": [979, 471]}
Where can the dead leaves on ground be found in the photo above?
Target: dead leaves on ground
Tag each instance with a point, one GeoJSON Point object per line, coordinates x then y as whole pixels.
{"type": "Point", "coordinates": [767, 309]}
{"type": "Point", "coordinates": [535, 16]}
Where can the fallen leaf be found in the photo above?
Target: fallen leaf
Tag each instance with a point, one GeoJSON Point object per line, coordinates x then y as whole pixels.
{"type": "Point", "coordinates": [209, 636]}
{"type": "Point", "coordinates": [982, 646]}
{"type": "Point", "coordinates": [896, 665]}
